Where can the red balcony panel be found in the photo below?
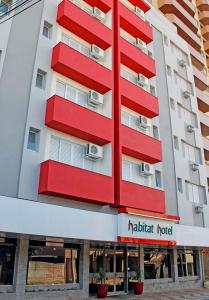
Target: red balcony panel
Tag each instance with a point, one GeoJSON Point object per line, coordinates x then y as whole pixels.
{"type": "Point", "coordinates": [104, 5]}
{"type": "Point", "coordinates": [61, 180]}
{"type": "Point", "coordinates": [66, 116]}
{"type": "Point", "coordinates": [81, 68]}
{"type": "Point", "coordinates": [142, 197]}
{"type": "Point", "coordinates": [136, 60]}
{"type": "Point", "coordinates": [134, 25]}
{"type": "Point", "coordinates": [138, 99]}
{"type": "Point", "coordinates": [141, 146]}
{"type": "Point", "coordinates": [141, 4]}
{"type": "Point", "coordinates": [83, 25]}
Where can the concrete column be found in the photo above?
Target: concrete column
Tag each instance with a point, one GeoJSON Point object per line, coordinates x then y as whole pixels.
{"type": "Point", "coordinates": [174, 265]}
{"type": "Point", "coordinates": [84, 267]}
{"type": "Point", "coordinates": [21, 267]}
{"type": "Point", "coordinates": [141, 261]}
{"type": "Point", "coordinates": [199, 265]}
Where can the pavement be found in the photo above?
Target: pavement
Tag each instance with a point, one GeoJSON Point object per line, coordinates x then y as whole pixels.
{"type": "Point", "coordinates": [189, 294]}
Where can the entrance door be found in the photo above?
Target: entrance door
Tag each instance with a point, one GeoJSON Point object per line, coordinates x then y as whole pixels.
{"type": "Point", "coordinates": [114, 262]}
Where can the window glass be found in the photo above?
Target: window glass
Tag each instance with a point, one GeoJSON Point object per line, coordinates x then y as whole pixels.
{"type": "Point", "coordinates": [157, 263]}
{"type": "Point", "coordinates": [179, 184]}
{"type": "Point", "coordinates": [7, 260]}
{"type": "Point", "coordinates": [158, 179]}
{"type": "Point", "coordinates": [53, 265]}
{"type": "Point", "coordinates": [41, 79]}
{"type": "Point", "coordinates": [186, 262]}
{"type": "Point", "coordinates": [33, 139]}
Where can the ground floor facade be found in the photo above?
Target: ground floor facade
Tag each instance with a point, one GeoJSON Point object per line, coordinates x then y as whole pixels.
{"type": "Point", "coordinates": [54, 252]}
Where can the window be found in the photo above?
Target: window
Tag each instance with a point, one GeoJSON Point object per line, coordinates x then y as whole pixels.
{"type": "Point", "coordinates": [191, 153]}
{"type": "Point", "coordinates": [169, 70]}
{"type": "Point", "coordinates": [47, 30]}
{"type": "Point", "coordinates": [165, 40]}
{"type": "Point", "coordinates": [172, 103]}
{"type": "Point", "coordinates": [52, 265]}
{"type": "Point", "coordinates": [179, 185]}
{"type": "Point", "coordinates": [195, 192]}
{"type": "Point", "coordinates": [4, 6]}
{"type": "Point", "coordinates": [152, 90]}
{"type": "Point", "coordinates": [186, 262]}
{"type": "Point", "coordinates": [150, 53]}
{"type": "Point", "coordinates": [0, 55]}
{"type": "Point", "coordinates": [176, 142]}
{"type": "Point", "coordinates": [41, 79]}
{"type": "Point", "coordinates": [7, 260]}
{"type": "Point", "coordinates": [155, 132]}
{"type": "Point", "coordinates": [33, 139]}
{"type": "Point", "coordinates": [157, 263]}
{"type": "Point", "coordinates": [158, 179]}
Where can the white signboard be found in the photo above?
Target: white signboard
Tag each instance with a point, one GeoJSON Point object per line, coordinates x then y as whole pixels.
{"type": "Point", "coordinates": [138, 227]}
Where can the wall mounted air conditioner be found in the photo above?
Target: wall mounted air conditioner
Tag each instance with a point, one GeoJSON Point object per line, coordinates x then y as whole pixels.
{"type": "Point", "coordinates": [142, 81]}
{"type": "Point", "coordinates": [98, 14]}
{"type": "Point", "coordinates": [195, 167]}
{"type": "Point", "coordinates": [186, 94]}
{"type": "Point", "coordinates": [145, 169]}
{"type": "Point", "coordinates": [143, 122]}
{"type": "Point", "coordinates": [94, 152]}
{"type": "Point", "coordinates": [96, 52]}
{"type": "Point", "coordinates": [139, 12]}
{"type": "Point", "coordinates": [190, 128]}
{"type": "Point", "coordinates": [141, 45]}
{"type": "Point", "coordinates": [182, 63]}
{"type": "Point", "coordinates": [198, 209]}
{"type": "Point", "coordinates": [95, 98]}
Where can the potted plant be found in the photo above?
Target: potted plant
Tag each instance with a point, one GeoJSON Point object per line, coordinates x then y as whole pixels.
{"type": "Point", "coordinates": [102, 288]}
{"type": "Point", "coordinates": [139, 285]}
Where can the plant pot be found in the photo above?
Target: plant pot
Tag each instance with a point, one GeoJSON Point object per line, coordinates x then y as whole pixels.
{"type": "Point", "coordinates": [138, 288]}
{"type": "Point", "coordinates": [102, 290]}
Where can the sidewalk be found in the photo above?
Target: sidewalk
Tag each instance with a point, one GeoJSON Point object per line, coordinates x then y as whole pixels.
{"type": "Point", "coordinates": [190, 294]}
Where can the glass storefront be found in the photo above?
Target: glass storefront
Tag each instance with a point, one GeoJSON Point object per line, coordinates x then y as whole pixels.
{"type": "Point", "coordinates": [186, 262]}
{"type": "Point", "coordinates": [157, 263]}
{"type": "Point", "coordinates": [52, 264]}
{"type": "Point", "coordinates": [7, 260]}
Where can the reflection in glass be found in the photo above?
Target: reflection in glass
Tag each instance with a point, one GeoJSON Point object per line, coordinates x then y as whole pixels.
{"type": "Point", "coordinates": [53, 265]}
{"type": "Point", "coordinates": [157, 263]}
{"type": "Point", "coordinates": [186, 261]}
{"type": "Point", "coordinates": [7, 259]}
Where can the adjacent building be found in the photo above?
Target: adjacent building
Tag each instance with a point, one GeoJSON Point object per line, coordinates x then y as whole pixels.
{"type": "Point", "coordinates": [102, 157]}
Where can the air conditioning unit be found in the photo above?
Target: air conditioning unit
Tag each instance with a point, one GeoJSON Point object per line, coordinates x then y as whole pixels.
{"type": "Point", "coordinates": [95, 98]}
{"type": "Point", "coordinates": [198, 209]}
{"type": "Point", "coordinates": [96, 52]}
{"type": "Point", "coordinates": [195, 167]}
{"type": "Point", "coordinates": [139, 12]}
{"type": "Point", "coordinates": [94, 152]}
{"type": "Point", "coordinates": [140, 44]}
{"type": "Point", "coordinates": [182, 63]}
{"type": "Point", "coordinates": [186, 94]}
{"type": "Point", "coordinates": [143, 122]}
{"type": "Point", "coordinates": [142, 81]}
{"type": "Point", "coordinates": [190, 128]}
{"type": "Point", "coordinates": [98, 14]}
{"type": "Point", "coordinates": [145, 169]}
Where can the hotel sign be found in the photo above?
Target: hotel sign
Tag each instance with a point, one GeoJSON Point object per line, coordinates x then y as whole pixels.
{"type": "Point", "coordinates": [138, 228]}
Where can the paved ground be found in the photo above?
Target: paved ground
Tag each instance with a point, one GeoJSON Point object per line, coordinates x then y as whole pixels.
{"type": "Point", "coordinates": [197, 294]}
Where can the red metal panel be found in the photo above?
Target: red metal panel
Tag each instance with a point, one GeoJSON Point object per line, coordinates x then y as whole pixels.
{"type": "Point", "coordinates": [134, 25]}
{"type": "Point", "coordinates": [104, 5]}
{"type": "Point", "coordinates": [138, 99]}
{"type": "Point", "coordinates": [61, 180]}
{"type": "Point", "coordinates": [81, 68]}
{"type": "Point", "coordinates": [141, 4]}
{"type": "Point", "coordinates": [83, 25]}
{"type": "Point", "coordinates": [66, 116]}
{"type": "Point", "coordinates": [146, 241]}
{"type": "Point", "coordinates": [141, 146]}
{"type": "Point", "coordinates": [136, 60]}
{"type": "Point", "coordinates": [142, 197]}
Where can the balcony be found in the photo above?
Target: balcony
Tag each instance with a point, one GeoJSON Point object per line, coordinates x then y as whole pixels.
{"type": "Point", "coordinates": [65, 181]}
{"type": "Point", "coordinates": [201, 80]}
{"type": "Point", "coordinates": [141, 4]}
{"type": "Point", "coordinates": [204, 17]}
{"type": "Point", "coordinates": [83, 25]}
{"type": "Point", "coordinates": [138, 100]}
{"type": "Point", "coordinates": [173, 7]}
{"type": "Point", "coordinates": [198, 60]}
{"type": "Point", "coordinates": [80, 68]}
{"type": "Point", "coordinates": [142, 197]}
{"type": "Point", "coordinates": [189, 36]}
{"type": "Point", "coordinates": [203, 101]}
{"type": "Point", "coordinates": [134, 25]}
{"type": "Point", "coordinates": [140, 146]}
{"type": "Point", "coordinates": [66, 116]}
{"type": "Point", "coordinates": [136, 60]}
{"type": "Point", "coordinates": [205, 32]}
{"type": "Point", "coordinates": [206, 142]}
{"type": "Point", "coordinates": [206, 47]}
{"type": "Point", "coordinates": [204, 119]}
{"type": "Point", "coordinates": [188, 6]}
{"type": "Point", "coordinates": [104, 5]}
{"type": "Point", "coordinates": [202, 5]}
